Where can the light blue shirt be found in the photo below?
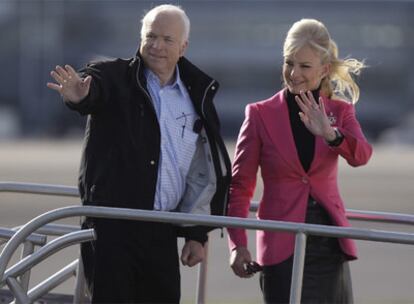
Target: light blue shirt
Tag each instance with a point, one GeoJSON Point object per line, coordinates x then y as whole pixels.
{"type": "Point", "coordinates": [176, 117]}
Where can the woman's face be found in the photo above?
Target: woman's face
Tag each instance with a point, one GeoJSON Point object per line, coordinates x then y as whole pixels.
{"type": "Point", "coordinates": [304, 70]}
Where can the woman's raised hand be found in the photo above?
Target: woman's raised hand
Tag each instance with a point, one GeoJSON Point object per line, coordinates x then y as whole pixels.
{"type": "Point", "coordinates": [314, 116]}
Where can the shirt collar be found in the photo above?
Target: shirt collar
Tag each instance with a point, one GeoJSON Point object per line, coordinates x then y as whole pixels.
{"type": "Point", "coordinates": [176, 84]}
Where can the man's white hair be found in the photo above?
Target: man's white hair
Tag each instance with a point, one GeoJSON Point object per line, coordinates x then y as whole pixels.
{"type": "Point", "coordinates": [150, 16]}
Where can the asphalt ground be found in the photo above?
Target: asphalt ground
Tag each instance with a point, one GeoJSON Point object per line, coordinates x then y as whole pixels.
{"type": "Point", "coordinates": [384, 273]}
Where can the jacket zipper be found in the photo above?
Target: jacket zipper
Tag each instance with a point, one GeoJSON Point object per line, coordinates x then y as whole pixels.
{"type": "Point", "coordinates": [218, 150]}
{"type": "Point", "coordinates": [204, 97]}
{"type": "Point", "coordinates": [143, 90]}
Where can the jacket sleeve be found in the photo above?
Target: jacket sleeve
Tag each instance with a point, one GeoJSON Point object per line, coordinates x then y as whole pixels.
{"type": "Point", "coordinates": [98, 92]}
{"type": "Point", "coordinates": [355, 147]}
{"type": "Point", "coordinates": [245, 166]}
{"type": "Point", "coordinates": [194, 233]}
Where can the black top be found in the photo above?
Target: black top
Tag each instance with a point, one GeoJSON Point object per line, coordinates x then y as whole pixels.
{"type": "Point", "coordinates": [304, 139]}
{"type": "Point", "coordinates": [317, 246]}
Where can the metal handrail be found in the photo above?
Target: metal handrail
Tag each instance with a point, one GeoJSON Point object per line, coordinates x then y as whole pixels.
{"type": "Point", "coordinates": [53, 281]}
{"type": "Point", "coordinates": [48, 229]}
{"type": "Point", "coordinates": [35, 238]}
{"type": "Point", "coordinates": [34, 188]}
{"type": "Point", "coordinates": [45, 251]}
{"type": "Point", "coordinates": [59, 190]}
{"type": "Point", "coordinates": [363, 215]}
{"type": "Point", "coordinates": [209, 220]}
{"type": "Point", "coordinates": [57, 229]}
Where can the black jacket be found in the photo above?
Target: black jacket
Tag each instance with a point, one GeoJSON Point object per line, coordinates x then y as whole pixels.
{"type": "Point", "coordinates": [119, 164]}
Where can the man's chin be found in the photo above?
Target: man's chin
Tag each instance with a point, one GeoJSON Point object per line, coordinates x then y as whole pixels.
{"type": "Point", "coordinates": [156, 66]}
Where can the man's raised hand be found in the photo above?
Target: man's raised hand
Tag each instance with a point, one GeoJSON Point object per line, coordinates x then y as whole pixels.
{"type": "Point", "coordinates": [68, 83]}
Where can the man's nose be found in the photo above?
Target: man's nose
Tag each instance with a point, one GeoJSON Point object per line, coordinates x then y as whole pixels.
{"type": "Point", "coordinates": [157, 43]}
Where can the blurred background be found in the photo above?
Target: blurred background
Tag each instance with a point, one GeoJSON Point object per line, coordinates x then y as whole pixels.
{"type": "Point", "coordinates": [240, 44]}
{"type": "Point", "coordinates": [237, 42]}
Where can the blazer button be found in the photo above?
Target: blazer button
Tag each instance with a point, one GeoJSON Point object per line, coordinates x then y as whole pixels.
{"type": "Point", "coordinates": [152, 162]}
{"type": "Point", "coordinates": [305, 180]}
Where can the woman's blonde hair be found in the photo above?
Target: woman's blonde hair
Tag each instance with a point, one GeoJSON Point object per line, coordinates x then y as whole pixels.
{"type": "Point", "coordinates": [339, 82]}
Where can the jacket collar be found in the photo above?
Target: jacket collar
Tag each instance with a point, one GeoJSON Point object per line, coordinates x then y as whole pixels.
{"type": "Point", "coordinates": [195, 80]}
{"type": "Point", "coordinates": [190, 74]}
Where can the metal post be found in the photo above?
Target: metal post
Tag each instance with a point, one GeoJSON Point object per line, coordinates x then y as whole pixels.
{"type": "Point", "coordinates": [21, 296]}
{"type": "Point", "coordinates": [298, 265]}
{"type": "Point", "coordinates": [28, 249]}
{"type": "Point", "coordinates": [81, 294]}
{"type": "Point", "coordinates": [202, 277]}
{"type": "Point", "coordinates": [51, 282]}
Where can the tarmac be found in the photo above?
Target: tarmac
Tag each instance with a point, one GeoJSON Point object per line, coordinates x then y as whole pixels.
{"type": "Point", "coordinates": [384, 272]}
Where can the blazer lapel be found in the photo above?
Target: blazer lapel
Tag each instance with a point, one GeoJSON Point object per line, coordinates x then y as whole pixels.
{"type": "Point", "coordinates": [275, 116]}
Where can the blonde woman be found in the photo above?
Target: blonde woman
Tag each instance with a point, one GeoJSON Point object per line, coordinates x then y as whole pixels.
{"type": "Point", "coordinates": [297, 137]}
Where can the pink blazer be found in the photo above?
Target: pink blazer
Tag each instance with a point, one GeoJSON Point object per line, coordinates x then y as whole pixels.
{"type": "Point", "coordinates": [266, 141]}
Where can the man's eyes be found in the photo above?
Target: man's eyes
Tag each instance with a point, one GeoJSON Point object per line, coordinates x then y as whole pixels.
{"type": "Point", "coordinates": [166, 39]}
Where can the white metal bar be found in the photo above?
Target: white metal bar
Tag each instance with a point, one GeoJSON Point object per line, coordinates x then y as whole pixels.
{"type": "Point", "coordinates": [81, 294]}
{"type": "Point", "coordinates": [173, 217]}
{"type": "Point", "coordinates": [47, 250]}
{"type": "Point", "coordinates": [364, 215]}
{"type": "Point", "coordinates": [207, 220]}
{"type": "Point", "coordinates": [60, 190]}
{"type": "Point", "coordinates": [297, 270]}
{"type": "Point", "coordinates": [202, 277]}
{"type": "Point", "coordinates": [28, 249]}
{"type": "Point", "coordinates": [17, 291]}
{"type": "Point", "coordinates": [57, 229]}
{"type": "Point", "coordinates": [37, 239]}
{"type": "Point", "coordinates": [53, 281]}
{"type": "Point", "coordinates": [34, 188]}
{"type": "Point", "coordinates": [378, 216]}
{"type": "Point", "coordinates": [351, 214]}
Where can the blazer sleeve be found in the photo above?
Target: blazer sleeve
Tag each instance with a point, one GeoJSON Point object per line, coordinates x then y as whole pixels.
{"type": "Point", "coordinates": [355, 147]}
{"type": "Point", "coordinates": [244, 172]}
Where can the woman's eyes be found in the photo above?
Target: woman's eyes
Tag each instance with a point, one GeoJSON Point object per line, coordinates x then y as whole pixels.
{"type": "Point", "coordinates": [303, 66]}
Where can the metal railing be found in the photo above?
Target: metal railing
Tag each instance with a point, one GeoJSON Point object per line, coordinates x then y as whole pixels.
{"type": "Point", "coordinates": [59, 190]}
{"type": "Point", "coordinates": [301, 231]}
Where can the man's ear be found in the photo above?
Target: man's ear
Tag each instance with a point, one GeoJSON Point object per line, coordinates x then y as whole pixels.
{"type": "Point", "coordinates": [183, 48]}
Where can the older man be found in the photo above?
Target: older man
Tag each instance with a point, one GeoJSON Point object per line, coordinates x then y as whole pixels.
{"type": "Point", "coordinates": [152, 142]}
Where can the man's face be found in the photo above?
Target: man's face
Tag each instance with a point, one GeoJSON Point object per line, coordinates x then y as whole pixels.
{"type": "Point", "coordinates": [163, 43]}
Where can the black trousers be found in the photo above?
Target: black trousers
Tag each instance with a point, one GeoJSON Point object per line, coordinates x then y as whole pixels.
{"type": "Point", "coordinates": [132, 262]}
{"type": "Point", "coordinates": [326, 277]}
